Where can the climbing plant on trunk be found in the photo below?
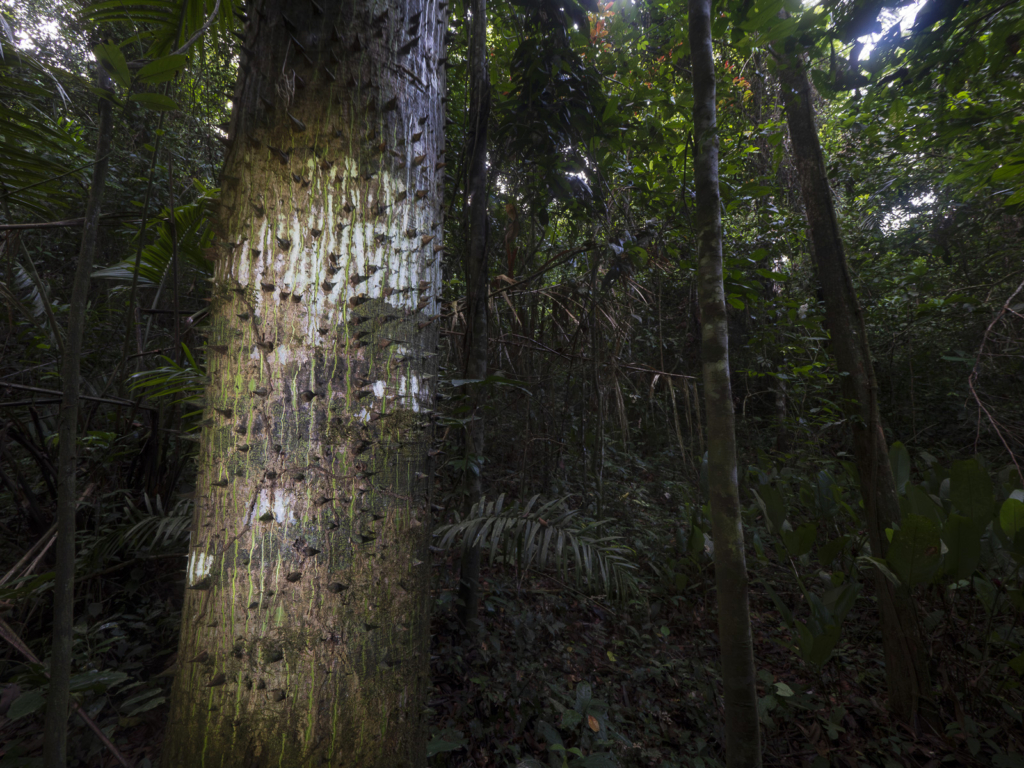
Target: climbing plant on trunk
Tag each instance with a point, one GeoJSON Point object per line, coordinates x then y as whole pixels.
{"type": "Point", "coordinates": [305, 623]}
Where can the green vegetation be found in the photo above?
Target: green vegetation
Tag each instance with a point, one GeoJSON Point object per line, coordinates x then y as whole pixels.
{"type": "Point", "coordinates": [336, 356]}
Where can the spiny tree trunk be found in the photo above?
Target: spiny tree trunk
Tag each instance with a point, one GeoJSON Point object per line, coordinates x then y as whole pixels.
{"type": "Point", "coordinates": [742, 734]}
{"type": "Point", "coordinates": [306, 619]}
{"type": "Point", "coordinates": [906, 671]}
{"type": "Point", "coordinates": [55, 742]}
{"type": "Point", "coordinates": [475, 263]}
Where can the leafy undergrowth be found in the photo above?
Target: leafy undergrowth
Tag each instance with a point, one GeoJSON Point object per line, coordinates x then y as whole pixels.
{"type": "Point", "coordinates": [560, 679]}
{"type": "Point", "coordinates": [557, 678]}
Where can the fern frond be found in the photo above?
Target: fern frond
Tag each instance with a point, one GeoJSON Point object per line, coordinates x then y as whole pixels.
{"type": "Point", "coordinates": [545, 537]}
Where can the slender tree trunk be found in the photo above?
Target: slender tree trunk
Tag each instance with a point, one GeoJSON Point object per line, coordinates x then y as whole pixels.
{"type": "Point", "coordinates": [55, 734]}
{"type": "Point", "coordinates": [475, 264]}
{"type": "Point", "coordinates": [742, 733]}
{"type": "Point", "coordinates": [906, 670]}
{"type": "Point", "coordinates": [304, 636]}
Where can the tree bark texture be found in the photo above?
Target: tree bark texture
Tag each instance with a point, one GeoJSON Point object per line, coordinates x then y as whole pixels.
{"type": "Point", "coordinates": [59, 698]}
{"type": "Point", "coordinates": [305, 626]}
{"type": "Point", "coordinates": [475, 264]}
{"type": "Point", "coordinates": [906, 668]}
{"type": "Point", "coordinates": [742, 731]}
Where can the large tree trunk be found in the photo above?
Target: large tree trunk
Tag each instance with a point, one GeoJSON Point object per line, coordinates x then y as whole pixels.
{"type": "Point", "coordinates": [306, 619]}
{"type": "Point", "coordinates": [475, 263]}
{"type": "Point", "coordinates": [742, 732]}
{"type": "Point", "coordinates": [55, 743]}
{"type": "Point", "coordinates": [906, 670]}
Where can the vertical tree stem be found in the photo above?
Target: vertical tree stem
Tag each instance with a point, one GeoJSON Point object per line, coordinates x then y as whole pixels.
{"type": "Point", "coordinates": [906, 671]}
{"type": "Point", "coordinates": [475, 264]}
{"type": "Point", "coordinates": [55, 739]}
{"type": "Point", "coordinates": [742, 734]}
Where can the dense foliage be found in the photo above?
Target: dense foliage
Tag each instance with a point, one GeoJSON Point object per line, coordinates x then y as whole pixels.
{"type": "Point", "coordinates": [598, 644]}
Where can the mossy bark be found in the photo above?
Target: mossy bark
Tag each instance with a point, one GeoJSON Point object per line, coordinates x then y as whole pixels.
{"type": "Point", "coordinates": [306, 619]}
{"type": "Point", "coordinates": [742, 730]}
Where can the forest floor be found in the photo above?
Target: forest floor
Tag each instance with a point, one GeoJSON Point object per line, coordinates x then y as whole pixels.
{"type": "Point", "coordinates": [655, 687]}
{"type": "Point", "coordinates": [554, 673]}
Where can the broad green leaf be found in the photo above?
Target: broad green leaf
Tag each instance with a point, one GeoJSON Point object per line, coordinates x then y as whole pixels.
{"type": "Point", "coordinates": [448, 741]}
{"type": "Point", "coordinates": [162, 69]}
{"type": "Point", "coordinates": [155, 101]}
{"type": "Point", "coordinates": [1011, 517]}
{"type": "Point", "coordinates": [1007, 172]}
{"type": "Point", "coordinates": [105, 94]}
{"type": "Point", "coordinates": [774, 506]}
{"type": "Point", "coordinates": [962, 537]}
{"type": "Point", "coordinates": [780, 604]}
{"type": "Point", "coordinates": [27, 703]}
{"type": "Point", "coordinates": [830, 551]}
{"type": "Point", "coordinates": [98, 680]}
{"type": "Point", "coordinates": [921, 503]}
{"type": "Point", "coordinates": [800, 541]}
{"type": "Point", "coordinates": [783, 690]}
{"type": "Point", "coordinates": [970, 490]}
{"type": "Point", "coordinates": [112, 60]}
{"type": "Point", "coordinates": [1017, 663]}
{"type": "Point", "coordinates": [915, 552]}
{"type": "Point", "coordinates": [986, 592]}
{"type": "Point", "coordinates": [899, 458]}
{"type": "Point", "coordinates": [1016, 198]}
{"type": "Point", "coordinates": [817, 648]}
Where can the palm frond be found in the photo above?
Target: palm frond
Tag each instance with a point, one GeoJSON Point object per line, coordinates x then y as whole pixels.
{"type": "Point", "coordinates": [194, 237]}
{"type": "Point", "coordinates": [183, 383]}
{"type": "Point", "coordinates": [549, 536]}
{"type": "Point", "coordinates": [163, 25]}
{"type": "Point", "coordinates": [140, 530]}
{"type": "Point", "coordinates": [35, 148]}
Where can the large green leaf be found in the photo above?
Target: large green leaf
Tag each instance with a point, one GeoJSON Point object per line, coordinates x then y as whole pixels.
{"type": "Point", "coordinates": [899, 458]}
{"type": "Point", "coordinates": [110, 57]}
{"type": "Point", "coordinates": [816, 647]}
{"type": "Point", "coordinates": [970, 490]}
{"type": "Point", "coordinates": [164, 24]}
{"type": "Point", "coordinates": [164, 68]}
{"type": "Point", "coordinates": [922, 504]}
{"type": "Point", "coordinates": [156, 101]}
{"type": "Point", "coordinates": [962, 537]}
{"type": "Point", "coordinates": [773, 505]}
{"type": "Point", "coordinates": [800, 541]}
{"type": "Point", "coordinates": [830, 551]}
{"type": "Point", "coordinates": [1011, 517]}
{"type": "Point", "coordinates": [915, 552]}
{"type": "Point", "coordinates": [1011, 520]}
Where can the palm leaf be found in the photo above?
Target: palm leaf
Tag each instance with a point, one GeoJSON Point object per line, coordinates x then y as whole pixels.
{"type": "Point", "coordinates": [35, 147]}
{"type": "Point", "coordinates": [194, 237]}
{"type": "Point", "coordinates": [163, 24]}
{"type": "Point", "coordinates": [545, 537]}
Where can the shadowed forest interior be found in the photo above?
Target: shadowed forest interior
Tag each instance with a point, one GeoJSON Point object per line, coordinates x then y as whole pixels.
{"type": "Point", "coordinates": [407, 383]}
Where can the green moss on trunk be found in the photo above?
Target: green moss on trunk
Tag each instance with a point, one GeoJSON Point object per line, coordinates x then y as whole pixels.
{"type": "Point", "coordinates": [304, 637]}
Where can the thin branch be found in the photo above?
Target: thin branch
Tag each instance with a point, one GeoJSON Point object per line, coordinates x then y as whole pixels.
{"type": "Point", "coordinates": [200, 32]}
{"type": "Point", "coordinates": [972, 379]}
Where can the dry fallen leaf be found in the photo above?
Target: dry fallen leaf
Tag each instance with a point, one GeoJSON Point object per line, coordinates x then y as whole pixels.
{"type": "Point", "coordinates": [592, 722]}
